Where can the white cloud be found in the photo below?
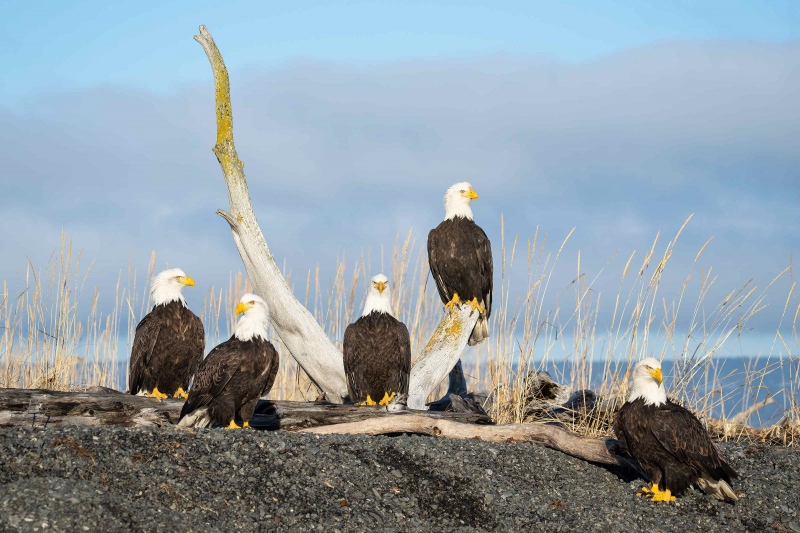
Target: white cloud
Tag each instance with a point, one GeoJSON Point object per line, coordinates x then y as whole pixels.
{"type": "Point", "coordinates": [341, 158]}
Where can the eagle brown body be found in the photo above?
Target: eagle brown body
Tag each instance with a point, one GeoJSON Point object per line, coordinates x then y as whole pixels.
{"type": "Point", "coordinates": [167, 349]}
{"type": "Point", "coordinates": [377, 357]}
{"type": "Point", "coordinates": [230, 381]}
{"type": "Point", "coordinates": [460, 258]}
{"type": "Point", "coordinates": [673, 448]}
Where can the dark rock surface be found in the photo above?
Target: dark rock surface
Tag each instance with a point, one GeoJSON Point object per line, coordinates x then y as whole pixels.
{"type": "Point", "coordinates": [116, 479]}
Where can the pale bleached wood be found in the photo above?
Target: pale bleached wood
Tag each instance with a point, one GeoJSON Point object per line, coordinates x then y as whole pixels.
{"type": "Point", "coordinates": [303, 337]}
{"type": "Point", "coordinates": [440, 354]}
{"type": "Point", "coordinates": [548, 435]}
{"type": "Point", "coordinates": [294, 324]}
{"type": "Point", "coordinates": [742, 417]}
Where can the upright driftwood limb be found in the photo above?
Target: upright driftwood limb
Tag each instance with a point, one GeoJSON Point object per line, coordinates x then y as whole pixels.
{"type": "Point", "coordinates": [440, 354]}
{"type": "Point", "coordinates": [552, 436]}
{"type": "Point", "coordinates": [39, 408]}
{"type": "Point", "coordinates": [294, 324]}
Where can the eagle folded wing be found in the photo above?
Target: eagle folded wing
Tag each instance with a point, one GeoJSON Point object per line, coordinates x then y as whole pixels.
{"type": "Point", "coordinates": [354, 365]}
{"type": "Point", "coordinates": [685, 438]}
{"type": "Point", "coordinates": [144, 342]}
{"type": "Point", "coordinates": [212, 378]}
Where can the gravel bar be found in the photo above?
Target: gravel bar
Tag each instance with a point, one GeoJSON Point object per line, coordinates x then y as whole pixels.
{"type": "Point", "coordinates": [165, 479]}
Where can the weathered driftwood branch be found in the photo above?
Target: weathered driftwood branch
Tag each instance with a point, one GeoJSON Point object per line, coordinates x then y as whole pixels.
{"type": "Point", "coordinates": [294, 324]}
{"type": "Point", "coordinates": [600, 451]}
{"type": "Point", "coordinates": [744, 415]}
{"type": "Point", "coordinates": [440, 355]}
{"type": "Point", "coordinates": [38, 408]}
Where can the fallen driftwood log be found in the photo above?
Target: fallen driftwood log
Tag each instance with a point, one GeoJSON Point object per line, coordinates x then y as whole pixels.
{"type": "Point", "coordinates": [41, 408]}
{"type": "Point", "coordinates": [601, 451]}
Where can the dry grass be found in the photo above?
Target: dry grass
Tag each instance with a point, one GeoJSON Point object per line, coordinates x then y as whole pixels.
{"type": "Point", "coordinates": [44, 342]}
{"type": "Point", "coordinates": [48, 342]}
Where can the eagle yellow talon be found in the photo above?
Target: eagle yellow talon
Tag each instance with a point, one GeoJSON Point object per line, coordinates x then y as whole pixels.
{"type": "Point", "coordinates": [246, 425]}
{"type": "Point", "coordinates": [233, 425]}
{"type": "Point", "coordinates": [661, 495]}
{"type": "Point", "coordinates": [645, 492]}
{"type": "Point", "coordinates": [387, 398]}
{"type": "Point", "coordinates": [453, 302]}
{"type": "Point", "coordinates": [368, 401]}
{"type": "Point", "coordinates": [180, 393]}
{"type": "Point", "coordinates": [158, 395]}
{"type": "Point", "coordinates": [476, 306]}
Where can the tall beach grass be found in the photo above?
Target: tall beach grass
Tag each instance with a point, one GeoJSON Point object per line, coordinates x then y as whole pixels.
{"type": "Point", "coordinates": [46, 342]}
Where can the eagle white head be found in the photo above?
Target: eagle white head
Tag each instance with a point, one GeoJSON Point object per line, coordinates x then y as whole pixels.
{"type": "Point", "coordinates": [166, 286]}
{"type": "Point", "coordinates": [379, 296]}
{"type": "Point", "coordinates": [255, 320]}
{"type": "Point", "coordinates": [648, 382]}
{"type": "Point", "coordinates": [457, 199]}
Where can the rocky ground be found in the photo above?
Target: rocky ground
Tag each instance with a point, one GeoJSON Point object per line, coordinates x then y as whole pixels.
{"type": "Point", "coordinates": [117, 479]}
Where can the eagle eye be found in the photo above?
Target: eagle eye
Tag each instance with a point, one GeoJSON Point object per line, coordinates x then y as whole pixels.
{"type": "Point", "coordinates": [252, 302]}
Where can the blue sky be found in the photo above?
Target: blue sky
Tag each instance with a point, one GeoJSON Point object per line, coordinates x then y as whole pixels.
{"type": "Point", "coordinates": [619, 119]}
{"type": "Point", "coordinates": [58, 44]}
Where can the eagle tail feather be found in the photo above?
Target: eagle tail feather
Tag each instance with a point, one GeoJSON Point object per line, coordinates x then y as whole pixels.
{"type": "Point", "coordinates": [717, 488]}
{"type": "Point", "coordinates": [199, 418]}
{"type": "Point", "coordinates": [480, 332]}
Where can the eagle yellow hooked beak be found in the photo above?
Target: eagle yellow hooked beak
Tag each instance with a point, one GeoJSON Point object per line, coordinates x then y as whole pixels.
{"type": "Point", "coordinates": [471, 194]}
{"type": "Point", "coordinates": [381, 285]}
{"type": "Point", "coordinates": [656, 373]}
{"type": "Point", "coordinates": [186, 280]}
{"type": "Point", "coordinates": [242, 307]}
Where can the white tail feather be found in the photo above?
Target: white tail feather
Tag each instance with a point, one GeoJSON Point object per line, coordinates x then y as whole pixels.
{"type": "Point", "coordinates": [718, 489]}
{"type": "Point", "coordinates": [198, 418]}
{"type": "Point", "coordinates": [480, 332]}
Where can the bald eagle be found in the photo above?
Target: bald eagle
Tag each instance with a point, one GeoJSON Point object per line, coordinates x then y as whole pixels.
{"type": "Point", "coordinates": [669, 442]}
{"type": "Point", "coordinates": [235, 374]}
{"type": "Point", "coordinates": [377, 350]}
{"type": "Point", "coordinates": [460, 257]}
{"type": "Point", "coordinates": [169, 341]}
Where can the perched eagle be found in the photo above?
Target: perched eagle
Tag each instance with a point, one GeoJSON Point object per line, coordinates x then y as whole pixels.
{"type": "Point", "coordinates": [460, 257]}
{"type": "Point", "coordinates": [669, 442]}
{"type": "Point", "coordinates": [235, 374]}
{"type": "Point", "coordinates": [377, 350]}
{"type": "Point", "coordinates": [169, 341]}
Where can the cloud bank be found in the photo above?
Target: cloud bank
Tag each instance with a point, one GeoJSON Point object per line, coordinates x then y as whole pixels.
{"type": "Point", "coordinates": [341, 158]}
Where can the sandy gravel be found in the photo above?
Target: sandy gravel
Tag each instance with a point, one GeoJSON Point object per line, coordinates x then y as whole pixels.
{"type": "Point", "coordinates": [117, 479]}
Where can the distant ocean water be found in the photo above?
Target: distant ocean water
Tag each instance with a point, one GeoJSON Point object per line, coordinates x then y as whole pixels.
{"type": "Point", "coordinates": [728, 384]}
